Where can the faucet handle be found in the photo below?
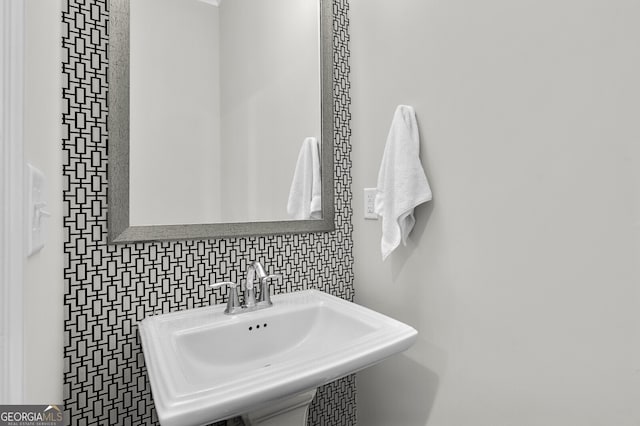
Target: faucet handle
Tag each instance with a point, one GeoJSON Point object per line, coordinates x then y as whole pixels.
{"type": "Point", "coordinates": [233, 301]}
{"type": "Point", "coordinates": [265, 293]}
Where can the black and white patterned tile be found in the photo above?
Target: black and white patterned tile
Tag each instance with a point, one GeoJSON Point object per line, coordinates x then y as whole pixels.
{"type": "Point", "coordinates": [110, 288]}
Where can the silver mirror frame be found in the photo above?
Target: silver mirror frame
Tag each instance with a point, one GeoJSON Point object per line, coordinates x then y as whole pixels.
{"type": "Point", "coordinates": [119, 229]}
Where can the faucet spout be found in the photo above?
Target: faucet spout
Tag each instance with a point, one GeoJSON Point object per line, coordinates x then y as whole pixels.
{"type": "Point", "coordinates": [255, 271]}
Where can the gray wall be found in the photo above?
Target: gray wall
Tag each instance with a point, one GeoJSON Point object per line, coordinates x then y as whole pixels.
{"type": "Point", "coordinates": [109, 289]}
{"type": "Point", "coordinates": [43, 285]}
{"type": "Point", "coordinates": [522, 274]}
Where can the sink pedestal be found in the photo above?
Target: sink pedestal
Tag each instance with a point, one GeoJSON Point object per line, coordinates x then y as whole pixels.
{"type": "Point", "coordinates": [290, 411]}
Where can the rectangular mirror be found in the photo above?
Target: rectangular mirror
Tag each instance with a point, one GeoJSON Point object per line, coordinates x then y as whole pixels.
{"type": "Point", "coordinates": [220, 118]}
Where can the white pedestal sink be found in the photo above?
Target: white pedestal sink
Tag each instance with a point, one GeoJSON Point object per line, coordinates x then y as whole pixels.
{"type": "Point", "coordinates": [264, 365]}
{"type": "Point", "coordinates": [290, 411]}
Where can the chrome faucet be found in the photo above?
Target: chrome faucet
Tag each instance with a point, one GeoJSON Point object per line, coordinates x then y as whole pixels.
{"type": "Point", "coordinates": [255, 269]}
{"type": "Point", "coordinates": [250, 303]}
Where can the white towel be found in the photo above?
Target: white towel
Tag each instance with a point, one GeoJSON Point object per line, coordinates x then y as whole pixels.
{"type": "Point", "coordinates": [305, 199]}
{"type": "Point", "coordinates": [402, 184]}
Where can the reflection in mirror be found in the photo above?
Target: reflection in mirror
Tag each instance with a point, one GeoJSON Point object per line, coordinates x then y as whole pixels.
{"type": "Point", "coordinates": [213, 134]}
{"type": "Point", "coordinates": [224, 95]}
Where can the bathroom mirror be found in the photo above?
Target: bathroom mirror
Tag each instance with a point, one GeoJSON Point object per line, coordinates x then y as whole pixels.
{"type": "Point", "coordinates": [209, 113]}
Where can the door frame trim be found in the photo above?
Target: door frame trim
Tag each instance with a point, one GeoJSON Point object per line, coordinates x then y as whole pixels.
{"type": "Point", "coordinates": [12, 223]}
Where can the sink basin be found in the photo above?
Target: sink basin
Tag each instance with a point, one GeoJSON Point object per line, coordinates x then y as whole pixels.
{"type": "Point", "coordinates": [206, 366]}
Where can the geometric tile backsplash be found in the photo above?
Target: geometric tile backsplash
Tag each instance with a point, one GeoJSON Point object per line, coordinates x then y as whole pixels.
{"type": "Point", "coordinates": [110, 288]}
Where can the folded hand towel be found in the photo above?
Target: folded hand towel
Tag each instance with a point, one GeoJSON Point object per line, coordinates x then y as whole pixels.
{"type": "Point", "coordinates": [402, 184]}
{"type": "Point", "coordinates": [305, 201]}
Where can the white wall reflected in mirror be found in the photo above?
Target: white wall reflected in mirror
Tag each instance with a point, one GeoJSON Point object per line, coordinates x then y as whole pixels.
{"type": "Point", "coordinates": [221, 101]}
